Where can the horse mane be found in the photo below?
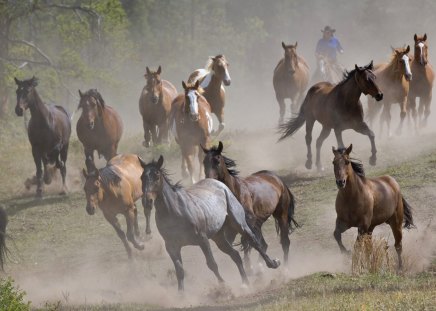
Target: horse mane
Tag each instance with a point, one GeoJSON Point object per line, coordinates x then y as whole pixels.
{"type": "Point", "coordinates": [166, 176]}
{"type": "Point", "coordinates": [230, 164]}
{"type": "Point", "coordinates": [109, 176]}
{"type": "Point", "coordinates": [347, 75]}
{"type": "Point", "coordinates": [209, 62]}
{"type": "Point", "coordinates": [96, 94]}
{"type": "Point", "coordinates": [356, 164]}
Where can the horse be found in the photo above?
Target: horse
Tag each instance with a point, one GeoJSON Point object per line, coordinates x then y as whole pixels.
{"type": "Point", "coordinates": [367, 202]}
{"type": "Point", "coordinates": [290, 79]}
{"type": "Point", "coordinates": [49, 131]}
{"type": "Point", "coordinates": [327, 71]}
{"type": "Point", "coordinates": [155, 107]}
{"type": "Point", "coordinates": [212, 78]}
{"type": "Point", "coordinates": [114, 189]}
{"type": "Point", "coordinates": [3, 248]}
{"type": "Point", "coordinates": [262, 194]}
{"type": "Point", "coordinates": [336, 107]}
{"type": "Point", "coordinates": [99, 127]}
{"type": "Point", "coordinates": [191, 126]}
{"type": "Point", "coordinates": [422, 84]}
{"type": "Point", "coordinates": [393, 79]}
{"type": "Point", "coordinates": [192, 216]}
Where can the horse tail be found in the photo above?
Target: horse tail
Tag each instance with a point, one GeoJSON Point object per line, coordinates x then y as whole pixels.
{"type": "Point", "coordinates": [408, 217]}
{"type": "Point", "coordinates": [293, 124]}
{"type": "Point", "coordinates": [3, 248]}
{"type": "Point", "coordinates": [291, 210]}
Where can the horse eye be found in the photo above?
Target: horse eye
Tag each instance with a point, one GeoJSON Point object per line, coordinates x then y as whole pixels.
{"type": "Point", "coordinates": [347, 162]}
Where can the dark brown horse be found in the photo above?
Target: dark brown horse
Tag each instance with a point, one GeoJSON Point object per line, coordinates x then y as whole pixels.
{"type": "Point", "coordinates": [99, 127]}
{"type": "Point", "coordinates": [367, 202]}
{"type": "Point", "coordinates": [211, 80]}
{"type": "Point", "coordinates": [3, 248]}
{"type": "Point", "coordinates": [155, 107]}
{"type": "Point", "coordinates": [422, 84]}
{"type": "Point", "coordinates": [191, 123]}
{"type": "Point", "coordinates": [393, 79]}
{"type": "Point", "coordinates": [262, 194]}
{"type": "Point", "coordinates": [336, 107]}
{"type": "Point", "coordinates": [290, 79]}
{"type": "Point", "coordinates": [49, 132]}
{"type": "Point", "coordinates": [114, 189]}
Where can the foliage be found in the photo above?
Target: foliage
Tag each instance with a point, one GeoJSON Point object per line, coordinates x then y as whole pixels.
{"type": "Point", "coordinates": [11, 297]}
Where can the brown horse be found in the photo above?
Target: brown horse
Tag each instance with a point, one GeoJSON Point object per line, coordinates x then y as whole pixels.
{"type": "Point", "coordinates": [99, 127]}
{"type": "Point", "coordinates": [155, 107]}
{"type": "Point", "coordinates": [211, 80]}
{"type": "Point", "coordinates": [393, 79]}
{"type": "Point", "coordinates": [49, 132]}
{"type": "Point", "coordinates": [422, 84]}
{"type": "Point", "coordinates": [336, 107]}
{"type": "Point", "coordinates": [367, 202]}
{"type": "Point", "coordinates": [290, 79]}
{"type": "Point", "coordinates": [262, 194]}
{"type": "Point", "coordinates": [191, 126]}
{"type": "Point", "coordinates": [3, 248]}
{"type": "Point", "coordinates": [114, 189]}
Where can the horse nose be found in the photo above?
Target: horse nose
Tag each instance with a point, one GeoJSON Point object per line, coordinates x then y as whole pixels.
{"type": "Point", "coordinates": [409, 77]}
{"type": "Point", "coordinates": [340, 183]}
{"type": "Point", "coordinates": [154, 99]}
{"type": "Point", "coordinates": [379, 96]}
{"type": "Point", "coordinates": [90, 209]}
{"type": "Point", "coordinates": [194, 117]}
{"type": "Point", "coordinates": [19, 111]}
{"type": "Point", "coordinates": [227, 82]}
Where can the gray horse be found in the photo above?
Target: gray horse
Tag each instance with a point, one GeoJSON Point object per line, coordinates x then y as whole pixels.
{"type": "Point", "coordinates": [192, 216]}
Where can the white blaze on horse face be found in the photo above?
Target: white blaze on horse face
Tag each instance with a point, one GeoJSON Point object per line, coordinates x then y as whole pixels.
{"type": "Point", "coordinates": [405, 59]}
{"type": "Point", "coordinates": [193, 103]}
{"type": "Point", "coordinates": [421, 46]}
{"type": "Point", "coordinates": [227, 75]}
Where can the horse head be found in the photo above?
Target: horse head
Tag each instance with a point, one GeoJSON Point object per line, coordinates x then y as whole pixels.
{"type": "Point", "coordinates": [154, 84]}
{"type": "Point", "coordinates": [291, 58]}
{"type": "Point", "coordinates": [421, 49]}
{"type": "Point", "coordinates": [92, 105]}
{"type": "Point", "coordinates": [152, 180]}
{"type": "Point", "coordinates": [365, 79]}
{"type": "Point", "coordinates": [220, 67]}
{"type": "Point", "coordinates": [192, 95]}
{"type": "Point", "coordinates": [93, 190]}
{"type": "Point", "coordinates": [402, 61]}
{"type": "Point", "coordinates": [25, 93]}
{"type": "Point", "coordinates": [342, 165]}
{"type": "Point", "coordinates": [214, 164]}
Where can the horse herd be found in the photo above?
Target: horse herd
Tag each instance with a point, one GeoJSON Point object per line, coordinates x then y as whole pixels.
{"type": "Point", "coordinates": [226, 204]}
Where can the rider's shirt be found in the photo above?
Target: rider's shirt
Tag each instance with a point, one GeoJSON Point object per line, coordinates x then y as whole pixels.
{"type": "Point", "coordinates": [328, 48]}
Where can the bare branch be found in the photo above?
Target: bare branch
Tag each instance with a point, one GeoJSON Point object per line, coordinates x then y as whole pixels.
{"type": "Point", "coordinates": [37, 49]}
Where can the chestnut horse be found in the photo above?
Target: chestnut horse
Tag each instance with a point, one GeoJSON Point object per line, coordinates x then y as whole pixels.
{"type": "Point", "coordinates": [393, 79]}
{"type": "Point", "coordinates": [3, 248]}
{"type": "Point", "coordinates": [49, 133]}
{"type": "Point", "coordinates": [367, 202]}
{"type": "Point", "coordinates": [191, 126]}
{"type": "Point", "coordinates": [336, 107]}
{"type": "Point", "coordinates": [262, 194]}
{"type": "Point", "coordinates": [114, 189]}
{"type": "Point", "coordinates": [211, 80]}
{"type": "Point", "coordinates": [422, 83]}
{"type": "Point", "coordinates": [155, 107]}
{"type": "Point", "coordinates": [99, 127]}
{"type": "Point", "coordinates": [290, 79]}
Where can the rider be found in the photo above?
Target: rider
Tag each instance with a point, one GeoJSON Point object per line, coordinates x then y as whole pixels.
{"type": "Point", "coordinates": [328, 46]}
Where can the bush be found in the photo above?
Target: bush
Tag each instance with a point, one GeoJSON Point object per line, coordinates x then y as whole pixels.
{"type": "Point", "coordinates": [11, 298]}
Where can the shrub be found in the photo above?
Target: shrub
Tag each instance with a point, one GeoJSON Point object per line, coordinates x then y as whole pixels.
{"type": "Point", "coordinates": [11, 297]}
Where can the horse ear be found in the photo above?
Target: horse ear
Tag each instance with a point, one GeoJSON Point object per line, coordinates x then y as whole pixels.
{"type": "Point", "coordinates": [159, 70]}
{"type": "Point", "coordinates": [147, 70]}
{"type": "Point", "coordinates": [425, 37]}
{"type": "Point", "coordinates": [85, 174]}
{"type": "Point", "coordinates": [184, 85]}
{"type": "Point", "coordinates": [296, 44]}
{"type": "Point", "coordinates": [356, 67]}
{"type": "Point", "coordinates": [348, 151]}
{"type": "Point", "coordinates": [160, 162]}
{"type": "Point", "coordinates": [371, 65]}
{"type": "Point", "coordinates": [80, 93]}
{"type": "Point", "coordinates": [220, 147]}
{"type": "Point", "coordinates": [393, 49]}
{"type": "Point", "coordinates": [408, 49]}
{"type": "Point", "coordinates": [415, 37]}
{"type": "Point", "coordinates": [334, 150]}
{"type": "Point", "coordinates": [283, 45]}
{"type": "Point", "coordinates": [17, 82]}
{"type": "Point", "coordinates": [143, 164]}
{"type": "Point", "coordinates": [197, 84]}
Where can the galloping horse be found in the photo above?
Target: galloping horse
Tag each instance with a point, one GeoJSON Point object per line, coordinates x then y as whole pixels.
{"type": "Point", "coordinates": [191, 126]}
{"type": "Point", "coordinates": [336, 107]}
{"type": "Point", "coordinates": [192, 216]}
{"type": "Point", "coordinates": [367, 202]}
{"type": "Point", "coordinates": [326, 71]}
{"type": "Point", "coordinates": [114, 189]}
{"type": "Point", "coordinates": [393, 79]}
{"type": "Point", "coordinates": [262, 194]}
{"type": "Point", "coordinates": [99, 127]}
{"type": "Point", "coordinates": [211, 80]}
{"type": "Point", "coordinates": [422, 84]}
{"type": "Point", "coordinates": [155, 107]}
{"type": "Point", "coordinates": [49, 132]}
{"type": "Point", "coordinates": [290, 79]}
{"type": "Point", "coordinates": [3, 248]}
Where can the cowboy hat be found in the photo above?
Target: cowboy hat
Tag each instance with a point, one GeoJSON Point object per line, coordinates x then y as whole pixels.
{"type": "Point", "coordinates": [329, 29]}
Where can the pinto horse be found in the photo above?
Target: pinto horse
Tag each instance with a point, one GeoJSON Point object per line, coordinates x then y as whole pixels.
{"type": "Point", "coordinates": [290, 79]}
{"type": "Point", "coordinates": [49, 131]}
{"type": "Point", "coordinates": [192, 216]}
{"type": "Point", "coordinates": [262, 194]}
{"type": "Point", "coordinates": [3, 248]}
{"type": "Point", "coordinates": [367, 202]}
{"type": "Point", "coordinates": [211, 80]}
{"type": "Point", "coordinates": [336, 107]}
{"type": "Point", "coordinates": [422, 84]}
{"type": "Point", "coordinates": [114, 189]}
{"type": "Point", "coordinates": [155, 107]}
{"type": "Point", "coordinates": [393, 79]}
{"type": "Point", "coordinates": [191, 126]}
{"type": "Point", "coordinates": [99, 127]}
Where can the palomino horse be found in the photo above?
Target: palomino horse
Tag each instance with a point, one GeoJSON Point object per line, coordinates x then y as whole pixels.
{"type": "Point", "coordinates": [262, 194]}
{"type": "Point", "coordinates": [155, 107]}
{"type": "Point", "coordinates": [49, 132]}
{"type": "Point", "coordinates": [99, 127]}
{"type": "Point", "coordinates": [336, 107]}
{"type": "Point", "coordinates": [211, 80]}
{"type": "Point", "coordinates": [422, 84]}
{"type": "Point", "coordinates": [327, 71]}
{"type": "Point", "coordinates": [393, 79]}
{"type": "Point", "coordinates": [367, 202]}
{"type": "Point", "coordinates": [192, 216]}
{"type": "Point", "coordinates": [114, 189]}
{"type": "Point", "coordinates": [191, 126]}
{"type": "Point", "coordinates": [290, 79]}
{"type": "Point", "coordinates": [3, 248]}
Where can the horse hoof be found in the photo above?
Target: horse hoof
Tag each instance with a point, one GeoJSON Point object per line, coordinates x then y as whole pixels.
{"type": "Point", "coordinates": [373, 161]}
{"type": "Point", "coordinates": [146, 144]}
{"type": "Point", "coordinates": [309, 165]}
{"type": "Point", "coordinates": [276, 264]}
{"type": "Point", "coordinates": [140, 246]}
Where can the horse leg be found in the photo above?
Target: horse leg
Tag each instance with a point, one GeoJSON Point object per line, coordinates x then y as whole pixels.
{"type": "Point", "coordinates": [425, 102]}
{"type": "Point", "coordinates": [210, 261]}
{"type": "Point", "coordinates": [395, 223]}
{"type": "Point", "coordinates": [325, 132]}
{"type": "Point", "coordinates": [309, 128]}
{"type": "Point", "coordinates": [220, 116]}
{"type": "Point", "coordinates": [338, 134]}
{"type": "Point", "coordinates": [386, 116]}
{"type": "Point", "coordinates": [363, 128]}
{"type": "Point", "coordinates": [163, 133]}
{"type": "Point", "coordinates": [63, 169]}
{"type": "Point", "coordinates": [284, 235]}
{"type": "Point", "coordinates": [176, 257]}
{"type": "Point", "coordinates": [282, 107]}
{"type": "Point", "coordinates": [38, 163]}
{"type": "Point", "coordinates": [130, 222]}
{"type": "Point", "coordinates": [412, 111]}
{"type": "Point", "coordinates": [154, 135]}
{"type": "Point", "coordinates": [147, 212]}
{"type": "Point", "coordinates": [147, 136]}
{"type": "Point", "coordinates": [112, 219]}
{"type": "Point", "coordinates": [403, 106]}
{"type": "Point", "coordinates": [340, 228]}
{"type": "Point", "coordinates": [135, 223]}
